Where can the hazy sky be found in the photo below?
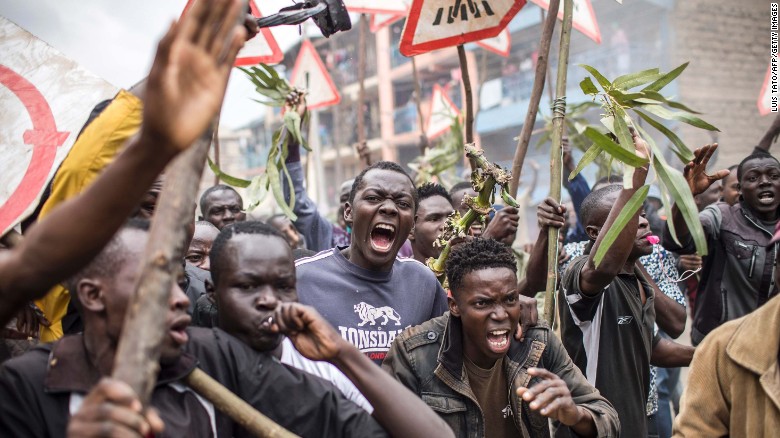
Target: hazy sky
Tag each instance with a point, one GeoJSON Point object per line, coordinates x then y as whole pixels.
{"type": "Point", "coordinates": [117, 39]}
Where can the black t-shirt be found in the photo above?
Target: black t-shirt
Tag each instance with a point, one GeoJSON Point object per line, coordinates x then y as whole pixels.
{"type": "Point", "coordinates": [610, 338]}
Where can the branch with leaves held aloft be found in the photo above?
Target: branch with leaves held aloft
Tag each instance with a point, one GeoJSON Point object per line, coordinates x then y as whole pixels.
{"type": "Point", "coordinates": [484, 179]}
{"type": "Point", "coordinates": [617, 99]}
{"type": "Point", "coordinates": [277, 93]}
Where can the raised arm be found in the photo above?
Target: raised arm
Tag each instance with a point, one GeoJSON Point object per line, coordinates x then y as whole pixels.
{"type": "Point", "coordinates": [669, 314]}
{"type": "Point", "coordinates": [594, 279]}
{"type": "Point", "coordinates": [695, 173]}
{"type": "Point", "coordinates": [550, 214]}
{"type": "Point", "coordinates": [770, 136]}
{"type": "Point", "coordinates": [396, 408]}
{"type": "Point", "coordinates": [184, 91]}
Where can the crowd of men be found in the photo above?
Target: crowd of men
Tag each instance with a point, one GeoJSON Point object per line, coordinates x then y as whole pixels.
{"type": "Point", "coordinates": [340, 329]}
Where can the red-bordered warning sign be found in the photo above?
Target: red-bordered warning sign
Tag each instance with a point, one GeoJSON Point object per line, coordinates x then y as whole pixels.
{"type": "Point", "coordinates": [583, 18]}
{"type": "Point", "coordinates": [443, 109]}
{"type": "Point", "coordinates": [45, 98]}
{"type": "Point", "coordinates": [392, 7]}
{"type": "Point", "coordinates": [768, 99]}
{"type": "Point", "coordinates": [263, 48]}
{"type": "Point", "coordinates": [436, 24]}
{"type": "Point", "coordinates": [500, 45]}
{"type": "Point", "coordinates": [310, 73]}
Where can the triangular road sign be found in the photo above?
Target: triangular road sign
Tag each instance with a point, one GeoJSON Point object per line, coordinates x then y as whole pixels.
{"type": "Point", "coordinates": [583, 19]}
{"type": "Point", "coordinates": [499, 45]}
{"type": "Point", "coordinates": [394, 7]}
{"type": "Point", "coordinates": [768, 99]}
{"type": "Point", "coordinates": [263, 48]}
{"type": "Point", "coordinates": [436, 24]}
{"type": "Point", "coordinates": [441, 113]}
{"type": "Point", "coordinates": [310, 73]}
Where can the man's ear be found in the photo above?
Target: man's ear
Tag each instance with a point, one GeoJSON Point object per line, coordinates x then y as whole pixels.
{"type": "Point", "coordinates": [210, 291]}
{"type": "Point", "coordinates": [454, 310]}
{"type": "Point", "coordinates": [90, 295]}
{"type": "Point", "coordinates": [347, 212]}
{"type": "Point", "coordinates": [411, 232]}
{"type": "Point", "coordinates": [592, 231]}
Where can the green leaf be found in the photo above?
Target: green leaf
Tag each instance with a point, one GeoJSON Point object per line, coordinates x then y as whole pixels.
{"type": "Point", "coordinates": [621, 130]}
{"type": "Point", "coordinates": [275, 186]}
{"type": "Point", "coordinates": [629, 211]}
{"type": "Point", "coordinates": [654, 97]}
{"type": "Point", "coordinates": [588, 87]}
{"type": "Point", "coordinates": [605, 83]}
{"type": "Point", "coordinates": [586, 159]}
{"type": "Point", "coordinates": [674, 182]}
{"type": "Point", "coordinates": [624, 98]}
{"type": "Point", "coordinates": [681, 150]}
{"type": "Point", "coordinates": [231, 180]}
{"type": "Point", "coordinates": [666, 200]}
{"type": "Point", "coordinates": [631, 80]}
{"type": "Point", "coordinates": [614, 149]}
{"type": "Point", "coordinates": [665, 79]}
{"type": "Point", "coordinates": [679, 116]}
{"type": "Point", "coordinates": [257, 191]}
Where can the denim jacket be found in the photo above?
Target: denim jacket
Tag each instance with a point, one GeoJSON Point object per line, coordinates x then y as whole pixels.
{"type": "Point", "coordinates": [428, 359]}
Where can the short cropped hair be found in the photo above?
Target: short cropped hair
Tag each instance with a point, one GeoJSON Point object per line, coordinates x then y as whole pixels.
{"type": "Point", "coordinates": [381, 165]}
{"type": "Point", "coordinates": [212, 189]}
{"type": "Point", "coordinates": [461, 186]}
{"type": "Point", "coordinates": [593, 202]}
{"type": "Point", "coordinates": [430, 189]}
{"type": "Point", "coordinates": [217, 253]}
{"type": "Point", "coordinates": [757, 155]}
{"type": "Point", "coordinates": [476, 255]}
{"type": "Point", "coordinates": [110, 259]}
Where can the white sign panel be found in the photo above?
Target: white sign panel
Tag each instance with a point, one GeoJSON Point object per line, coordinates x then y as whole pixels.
{"type": "Point", "coordinates": [45, 98]}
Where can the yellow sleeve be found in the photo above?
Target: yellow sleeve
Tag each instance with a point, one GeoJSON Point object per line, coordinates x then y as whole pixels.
{"type": "Point", "coordinates": [97, 146]}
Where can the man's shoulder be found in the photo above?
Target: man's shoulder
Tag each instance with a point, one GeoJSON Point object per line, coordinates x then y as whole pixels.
{"type": "Point", "coordinates": [429, 333]}
{"type": "Point", "coordinates": [408, 269]}
{"type": "Point", "coordinates": [316, 261]}
{"type": "Point", "coordinates": [30, 365]}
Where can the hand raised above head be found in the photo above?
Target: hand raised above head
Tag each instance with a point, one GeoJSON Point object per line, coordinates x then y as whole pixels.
{"type": "Point", "coordinates": [695, 171]}
{"type": "Point", "coordinates": [529, 316]}
{"type": "Point", "coordinates": [187, 82]}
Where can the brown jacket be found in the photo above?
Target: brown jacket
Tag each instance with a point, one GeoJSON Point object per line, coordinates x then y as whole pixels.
{"type": "Point", "coordinates": [734, 384]}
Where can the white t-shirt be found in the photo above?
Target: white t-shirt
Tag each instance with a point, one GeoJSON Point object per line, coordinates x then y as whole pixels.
{"type": "Point", "coordinates": [323, 370]}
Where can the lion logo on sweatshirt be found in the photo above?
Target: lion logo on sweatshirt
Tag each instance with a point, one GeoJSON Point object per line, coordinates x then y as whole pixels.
{"type": "Point", "coordinates": [370, 314]}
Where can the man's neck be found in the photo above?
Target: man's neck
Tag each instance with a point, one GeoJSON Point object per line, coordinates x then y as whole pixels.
{"type": "Point", "coordinates": [350, 253]}
{"type": "Point", "coordinates": [100, 350]}
{"type": "Point", "coordinates": [628, 267]}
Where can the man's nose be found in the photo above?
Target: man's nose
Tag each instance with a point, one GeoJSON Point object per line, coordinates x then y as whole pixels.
{"type": "Point", "coordinates": [266, 299]}
{"type": "Point", "coordinates": [178, 300]}
{"type": "Point", "coordinates": [643, 223]}
{"type": "Point", "coordinates": [388, 207]}
{"type": "Point", "coordinates": [499, 313]}
{"type": "Point", "coordinates": [206, 265]}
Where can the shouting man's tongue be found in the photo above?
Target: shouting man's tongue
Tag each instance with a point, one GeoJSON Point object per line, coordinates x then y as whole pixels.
{"type": "Point", "coordinates": [382, 237]}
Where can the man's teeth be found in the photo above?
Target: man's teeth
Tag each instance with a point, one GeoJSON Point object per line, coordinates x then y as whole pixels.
{"type": "Point", "coordinates": [389, 228]}
{"type": "Point", "coordinates": [499, 332]}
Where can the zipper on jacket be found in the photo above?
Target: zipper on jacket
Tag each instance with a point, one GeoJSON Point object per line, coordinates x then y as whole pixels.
{"type": "Point", "coordinates": [752, 262]}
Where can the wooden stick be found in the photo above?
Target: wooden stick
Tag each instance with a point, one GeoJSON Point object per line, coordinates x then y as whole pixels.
{"type": "Point", "coordinates": [559, 115]}
{"type": "Point", "coordinates": [418, 102]}
{"type": "Point", "coordinates": [536, 95]}
{"type": "Point", "coordinates": [466, 78]}
{"type": "Point", "coordinates": [234, 407]}
{"type": "Point", "coordinates": [216, 151]}
{"type": "Point", "coordinates": [362, 145]}
{"type": "Point", "coordinates": [138, 352]}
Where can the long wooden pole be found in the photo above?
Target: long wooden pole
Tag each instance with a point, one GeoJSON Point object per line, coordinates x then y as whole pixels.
{"type": "Point", "coordinates": [234, 407]}
{"type": "Point", "coordinates": [466, 78]}
{"type": "Point", "coordinates": [559, 114]}
{"type": "Point", "coordinates": [418, 104]}
{"type": "Point", "coordinates": [536, 95]}
{"type": "Point", "coordinates": [362, 145]}
{"type": "Point", "coordinates": [138, 353]}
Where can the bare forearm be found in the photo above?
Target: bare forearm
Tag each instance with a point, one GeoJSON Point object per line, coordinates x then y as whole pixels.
{"type": "Point", "coordinates": [396, 408]}
{"type": "Point", "coordinates": [75, 232]}
{"type": "Point", "coordinates": [669, 314]}
{"type": "Point", "coordinates": [536, 270]}
{"type": "Point", "coordinates": [670, 354]}
{"type": "Point", "coordinates": [680, 227]}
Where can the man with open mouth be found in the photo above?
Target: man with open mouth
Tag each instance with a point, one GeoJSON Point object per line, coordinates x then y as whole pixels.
{"type": "Point", "coordinates": [468, 366]}
{"type": "Point", "coordinates": [737, 274]}
{"type": "Point", "coordinates": [364, 290]}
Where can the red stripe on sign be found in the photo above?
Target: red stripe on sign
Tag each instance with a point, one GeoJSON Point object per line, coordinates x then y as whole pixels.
{"type": "Point", "coordinates": [44, 138]}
